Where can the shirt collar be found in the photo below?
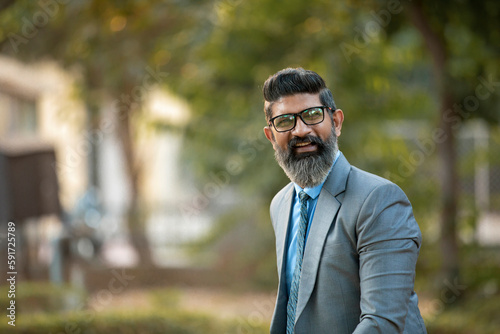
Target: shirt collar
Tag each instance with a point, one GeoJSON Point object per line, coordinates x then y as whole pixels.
{"type": "Point", "coordinates": [314, 192]}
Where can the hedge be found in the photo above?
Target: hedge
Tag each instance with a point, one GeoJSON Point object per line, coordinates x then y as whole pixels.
{"type": "Point", "coordinates": [137, 322]}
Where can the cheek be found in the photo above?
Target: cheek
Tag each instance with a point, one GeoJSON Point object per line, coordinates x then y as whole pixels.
{"type": "Point", "coordinates": [326, 132]}
{"type": "Point", "coordinates": [281, 141]}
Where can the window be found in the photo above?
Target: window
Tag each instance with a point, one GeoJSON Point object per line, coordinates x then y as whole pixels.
{"type": "Point", "coordinates": [18, 116]}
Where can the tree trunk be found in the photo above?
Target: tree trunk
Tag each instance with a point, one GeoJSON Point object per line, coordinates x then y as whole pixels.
{"type": "Point", "coordinates": [135, 216]}
{"type": "Point", "coordinates": [446, 147]}
{"type": "Point", "coordinates": [92, 123]}
{"type": "Point", "coordinates": [449, 194]}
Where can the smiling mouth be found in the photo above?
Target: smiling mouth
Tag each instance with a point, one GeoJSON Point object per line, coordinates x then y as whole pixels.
{"type": "Point", "coordinates": [305, 147]}
{"type": "Point", "coordinates": [303, 144]}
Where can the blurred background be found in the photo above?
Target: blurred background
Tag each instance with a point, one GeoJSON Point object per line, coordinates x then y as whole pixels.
{"type": "Point", "coordinates": [136, 175]}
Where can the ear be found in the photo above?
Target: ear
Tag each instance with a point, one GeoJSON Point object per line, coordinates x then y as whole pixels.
{"type": "Point", "coordinates": [269, 134]}
{"type": "Point", "coordinates": [338, 119]}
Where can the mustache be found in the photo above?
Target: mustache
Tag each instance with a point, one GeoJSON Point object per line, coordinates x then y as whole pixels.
{"type": "Point", "coordinates": [309, 138]}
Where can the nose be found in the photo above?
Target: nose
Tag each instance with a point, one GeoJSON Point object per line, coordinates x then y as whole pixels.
{"type": "Point", "coordinates": [301, 129]}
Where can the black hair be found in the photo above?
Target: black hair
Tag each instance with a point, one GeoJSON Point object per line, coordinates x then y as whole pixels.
{"type": "Point", "coordinates": [292, 81]}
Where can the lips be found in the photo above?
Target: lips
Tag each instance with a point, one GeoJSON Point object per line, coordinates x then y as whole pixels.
{"type": "Point", "coordinates": [303, 144]}
{"type": "Point", "coordinates": [305, 147]}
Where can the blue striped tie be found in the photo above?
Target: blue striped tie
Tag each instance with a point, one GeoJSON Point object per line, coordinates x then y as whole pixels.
{"type": "Point", "coordinates": [294, 289]}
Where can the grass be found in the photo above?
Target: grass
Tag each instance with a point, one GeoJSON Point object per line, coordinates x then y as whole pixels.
{"type": "Point", "coordinates": [133, 322]}
{"type": "Point", "coordinates": [471, 308]}
{"type": "Point", "coordinates": [161, 315]}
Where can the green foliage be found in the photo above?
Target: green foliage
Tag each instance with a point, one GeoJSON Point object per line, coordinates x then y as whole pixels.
{"type": "Point", "coordinates": [164, 298]}
{"type": "Point", "coordinates": [217, 54]}
{"type": "Point", "coordinates": [113, 46]}
{"type": "Point", "coordinates": [133, 322]}
{"type": "Point", "coordinates": [388, 77]}
{"type": "Point", "coordinates": [163, 317]}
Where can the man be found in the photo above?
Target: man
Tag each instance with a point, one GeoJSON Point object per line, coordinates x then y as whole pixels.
{"type": "Point", "coordinates": [346, 240]}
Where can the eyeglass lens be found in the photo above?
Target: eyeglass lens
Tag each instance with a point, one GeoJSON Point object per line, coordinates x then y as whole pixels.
{"type": "Point", "coordinates": [309, 116]}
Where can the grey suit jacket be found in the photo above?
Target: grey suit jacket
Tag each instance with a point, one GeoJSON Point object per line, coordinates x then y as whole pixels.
{"type": "Point", "coordinates": [359, 261]}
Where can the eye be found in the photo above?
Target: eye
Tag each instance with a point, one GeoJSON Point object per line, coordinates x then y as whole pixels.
{"type": "Point", "coordinates": [284, 121]}
{"type": "Point", "coordinates": [313, 114]}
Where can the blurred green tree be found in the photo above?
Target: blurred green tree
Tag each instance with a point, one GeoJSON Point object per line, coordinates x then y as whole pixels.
{"type": "Point", "coordinates": [379, 58]}
{"type": "Point", "coordinates": [119, 49]}
{"type": "Point", "coordinates": [386, 60]}
{"type": "Point", "coordinates": [462, 40]}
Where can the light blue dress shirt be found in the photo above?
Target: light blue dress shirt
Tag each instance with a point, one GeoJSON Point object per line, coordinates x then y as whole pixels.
{"type": "Point", "coordinates": [291, 255]}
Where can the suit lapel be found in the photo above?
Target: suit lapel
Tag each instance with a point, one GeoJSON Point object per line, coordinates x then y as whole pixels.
{"type": "Point", "coordinates": [324, 216]}
{"type": "Point", "coordinates": [281, 230]}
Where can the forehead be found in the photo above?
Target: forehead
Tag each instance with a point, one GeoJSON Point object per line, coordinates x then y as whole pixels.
{"type": "Point", "coordinates": [295, 103]}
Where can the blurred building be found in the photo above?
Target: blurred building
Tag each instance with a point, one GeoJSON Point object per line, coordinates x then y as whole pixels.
{"type": "Point", "coordinates": [39, 104]}
{"type": "Point", "coordinates": [38, 114]}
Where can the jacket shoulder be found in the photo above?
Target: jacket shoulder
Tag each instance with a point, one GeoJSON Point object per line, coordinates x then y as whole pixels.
{"type": "Point", "coordinates": [368, 178]}
{"type": "Point", "coordinates": [364, 181]}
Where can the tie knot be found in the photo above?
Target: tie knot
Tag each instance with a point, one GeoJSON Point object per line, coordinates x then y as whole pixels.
{"type": "Point", "coordinates": [304, 197]}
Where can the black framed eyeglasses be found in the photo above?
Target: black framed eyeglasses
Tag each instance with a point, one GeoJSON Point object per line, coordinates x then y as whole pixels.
{"type": "Point", "coordinates": [309, 116]}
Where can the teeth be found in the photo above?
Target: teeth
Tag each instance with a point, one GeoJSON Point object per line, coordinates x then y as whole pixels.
{"type": "Point", "coordinates": [303, 144]}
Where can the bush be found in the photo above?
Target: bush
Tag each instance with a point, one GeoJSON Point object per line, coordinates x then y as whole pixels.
{"type": "Point", "coordinates": [42, 308]}
{"type": "Point", "coordinates": [165, 298]}
{"type": "Point", "coordinates": [158, 322]}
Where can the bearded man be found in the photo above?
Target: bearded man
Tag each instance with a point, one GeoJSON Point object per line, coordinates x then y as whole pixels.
{"type": "Point", "coordinates": [346, 240]}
